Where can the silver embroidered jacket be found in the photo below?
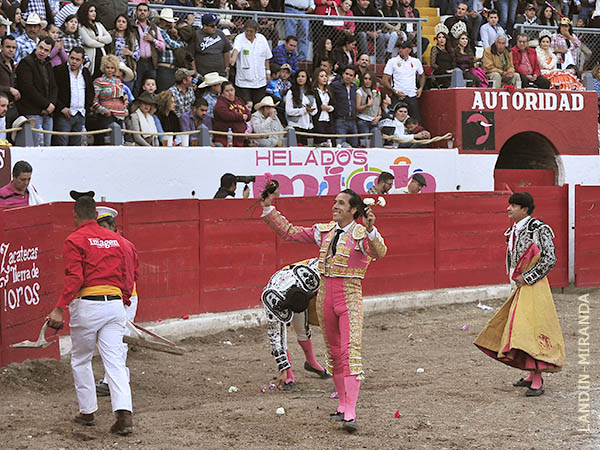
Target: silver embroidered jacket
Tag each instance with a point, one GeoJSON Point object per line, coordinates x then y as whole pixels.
{"type": "Point", "coordinates": [541, 234]}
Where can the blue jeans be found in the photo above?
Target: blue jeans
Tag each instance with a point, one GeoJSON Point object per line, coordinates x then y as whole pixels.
{"type": "Point", "coordinates": [74, 124]}
{"type": "Point", "coordinates": [298, 28]}
{"type": "Point", "coordinates": [42, 123]}
{"type": "Point", "coordinates": [365, 126]}
{"type": "Point", "coordinates": [346, 127]}
{"type": "Point", "coordinates": [508, 11]}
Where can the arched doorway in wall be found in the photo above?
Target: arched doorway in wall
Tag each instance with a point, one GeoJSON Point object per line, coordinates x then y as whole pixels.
{"type": "Point", "coordinates": [527, 159]}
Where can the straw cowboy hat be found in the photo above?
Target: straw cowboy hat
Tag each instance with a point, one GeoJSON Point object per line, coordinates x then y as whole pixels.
{"type": "Point", "coordinates": [266, 101]}
{"type": "Point", "coordinates": [127, 72]}
{"type": "Point", "coordinates": [5, 21]}
{"type": "Point", "coordinates": [34, 19]}
{"type": "Point", "coordinates": [167, 15]}
{"type": "Point", "coordinates": [212, 78]}
{"type": "Point", "coordinates": [18, 123]}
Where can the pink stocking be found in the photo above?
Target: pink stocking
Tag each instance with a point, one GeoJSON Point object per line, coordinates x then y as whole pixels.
{"type": "Point", "coordinates": [530, 376]}
{"type": "Point", "coordinates": [290, 378]}
{"type": "Point", "coordinates": [338, 381]}
{"type": "Point", "coordinates": [536, 380]}
{"type": "Point", "coordinates": [352, 384]}
{"type": "Point", "coordinates": [309, 354]}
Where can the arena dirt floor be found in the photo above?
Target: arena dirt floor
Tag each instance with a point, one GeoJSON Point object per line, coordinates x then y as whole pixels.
{"type": "Point", "coordinates": [462, 400]}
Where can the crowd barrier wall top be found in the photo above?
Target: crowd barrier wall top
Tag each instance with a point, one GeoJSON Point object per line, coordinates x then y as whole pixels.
{"type": "Point", "coordinates": [587, 236]}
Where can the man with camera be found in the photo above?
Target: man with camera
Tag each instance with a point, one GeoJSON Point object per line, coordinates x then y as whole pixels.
{"type": "Point", "coordinates": [229, 183]}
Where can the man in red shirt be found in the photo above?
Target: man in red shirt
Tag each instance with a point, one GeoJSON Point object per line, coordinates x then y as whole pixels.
{"type": "Point", "coordinates": [18, 191]}
{"type": "Point", "coordinates": [106, 219]}
{"type": "Point", "coordinates": [527, 65]}
{"type": "Point", "coordinates": [96, 285]}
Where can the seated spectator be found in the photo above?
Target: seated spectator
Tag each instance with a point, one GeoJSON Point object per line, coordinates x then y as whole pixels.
{"type": "Point", "coordinates": [415, 185]}
{"type": "Point", "coordinates": [267, 26]}
{"type": "Point", "coordinates": [385, 182]}
{"type": "Point", "coordinates": [58, 54]}
{"type": "Point", "coordinates": [412, 126]}
{"type": "Point", "coordinates": [344, 10]}
{"type": "Point", "coordinates": [165, 110]}
{"type": "Point", "coordinates": [498, 64]}
{"type": "Point", "coordinates": [387, 113]}
{"type": "Point", "coordinates": [395, 127]}
{"type": "Point", "coordinates": [191, 120]}
{"type": "Point", "coordinates": [400, 75]}
{"type": "Point", "coordinates": [368, 103]}
{"type": "Point", "coordinates": [491, 29]}
{"type": "Point", "coordinates": [35, 82]}
{"type": "Point", "coordinates": [323, 51]}
{"type": "Point", "coordinates": [27, 42]}
{"type": "Point", "coordinates": [547, 16]}
{"type": "Point", "coordinates": [441, 60]}
{"type": "Point", "coordinates": [548, 62]}
{"type": "Point", "coordinates": [67, 10]}
{"type": "Point", "coordinates": [75, 96]}
{"type": "Point", "coordinates": [344, 99]}
{"type": "Point", "coordinates": [142, 119]}
{"type": "Point", "coordinates": [110, 101]}
{"type": "Point", "coordinates": [94, 36]}
{"type": "Point", "coordinates": [20, 191]}
{"type": "Point", "coordinates": [362, 66]}
{"type": "Point", "coordinates": [300, 105]}
{"type": "Point", "coordinates": [280, 82]}
{"type": "Point", "coordinates": [344, 54]}
{"type": "Point", "coordinates": [408, 10]}
{"type": "Point", "coordinates": [238, 20]}
{"type": "Point", "coordinates": [183, 91]}
{"type": "Point", "coordinates": [364, 30]}
{"type": "Point", "coordinates": [565, 44]}
{"type": "Point", "coordinates": [526, 64]}
{"type": "Point", "coordinates": [265, 120]}
{"type": "Point", "coordinates": [226, 20]}
{"type": "Point", "coordinates": [463, 58]}
{"type": "Point", "coordinates": [471, 20]}
{"type": "Point", "coordinates": [124, 44]}
{"type": "Point", "coordinates": [527, 18]}
{"type": "Point", "coordinates": [286, 53]}
{"type": "Point", "coordinates": [323, 100]}
{"type": "Point", "coordinates": [212, 89]}
{"type": "Point", "coordinates": [391, 31]}
{"type": "Point", "coordinates": [231, 113]}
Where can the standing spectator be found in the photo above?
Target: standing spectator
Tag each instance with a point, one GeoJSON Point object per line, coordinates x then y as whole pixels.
{"type": "Point", "coordinates": [464, 60]}
{"type": "Point", "coordinates": [362, 66]}
{"type": "Point", "coordinates": [165, 72]}
{"type": "Point", "coordinates": [231, 113]}
{"type": "Point", "coordinates": [300, 105]}
{"type": "Point", "coordinates": [166, 113]}
{"type": "Point", "coordinates": [344, 99]}
{"type": "Point", "coordinates": [183, 91]}
{"type": "Point", "coordinates": [323, 101]}
{"type": "Point", "coordinates": [565, 44]}
{"type": "Point", "coordinates": [151, 43]}
{"type": "Point", "coordinates": [40, 7]}
{"type": "Point", "coordinates": [547, 16]}
{"type": "Point", "coordinates": [265, 121]}
{"type": "Point", "coordinates": [191, 120]}
{"type": "Point", "coordinates": [251, 55]}
{"type": "Point", "coordinates": [110, 101]}
{"type": "Point", "coordinates": [298, 27]}
{"type": "Point", "coordinates": [366, 31]}
{"type": "Point", "coordinates": [17, 28]}
{"type": "Point", "coordinates": [498, 64]}
{"type": "Point", "coordinates": [323, 51]}
{"type": "Point", "coordinates": [20, 191]}
{"type": "Point", "coordinates": [508, 11]}
{"type": "Point", "coordinates": [66, 11]}
{"type": "Point", "coordinates": [27, 42]}
{"type": "Point", "coordinates": [58, 55]}
{"type": "Point", "coordinates": [212, 85]}
{"type": "Point", "coordinates": [4, 26]}
{"type": "Point", "coordinates": [408, 10]}
{"type": "Point", "coordinates": [391, 31]}
{"type": "Point", "coordinates": [527, 18]}
{"type": "Point", "coordinates": [548, 61]}
{"type": "Point", "coordinates": [441, 57]}
{"type": "Point", "coordinates": [3, 111]}
{"type": "Point", "coordinates": [399, 76]}
{"type": "Point", "coordinates": [491, 29]}
{"type": "Point", "coordinates": [8, 77]}
{"type": "Point", "coordinates": [286, 53]}
{"type": "Point", "coordinates": [526, 64]}
{"type": "Point", "coordinates": [35, 82]}
{"type": "Point", "coordinates": [70, 34]}
{"type": "Point", "coordinates": [75, 97]}
{"type": "Point", "coordinates": [142, 119]}
{"type": "Point", "coordinates": [93, 35]}
{"type": "Point", "coordinates": [368, 103]}
{"type": "Point", "coordinates": [344, 54]}
{"type": "Point", "coordinates": [124, 45]}
{"type": "Point", "coordinates": [472, 21]}
{"type": "Point", "coordinates": [109, 10]}
{"type": "Point", "coordinates": [211, 48]}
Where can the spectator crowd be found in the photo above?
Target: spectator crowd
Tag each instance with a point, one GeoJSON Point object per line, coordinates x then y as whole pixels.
{"type": "Point", "coordinates": [85, 65]}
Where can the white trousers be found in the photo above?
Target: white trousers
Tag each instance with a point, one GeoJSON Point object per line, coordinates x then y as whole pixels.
{"type": "Point", "coordinates": [99, 323]}
{"type": "Point", "coordinates": [130, 312]}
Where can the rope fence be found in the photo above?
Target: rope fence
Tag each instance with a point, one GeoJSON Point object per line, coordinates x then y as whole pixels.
{"type": "Point", "coordinates": [445, 137]}
{"type": "Point", "coordinates": [71, 133]}
{"type": "Point", "coordinates": [304, 133]}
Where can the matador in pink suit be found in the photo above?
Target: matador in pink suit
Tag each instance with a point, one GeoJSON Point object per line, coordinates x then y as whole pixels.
{"type": "Point", "coordinates": [346, 249]}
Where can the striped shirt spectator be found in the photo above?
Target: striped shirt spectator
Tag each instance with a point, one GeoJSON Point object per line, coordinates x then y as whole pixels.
{"type": "Point", "coordinates": [168, 56]}
{"type": "Point", "coordinates": [66, 11]}
{"type": "Point", "coordinates": [182, 91]}
{"type": "Point", "coordinates": [109, 97]}
{"type": "Point", "coordinates": [25, 45]}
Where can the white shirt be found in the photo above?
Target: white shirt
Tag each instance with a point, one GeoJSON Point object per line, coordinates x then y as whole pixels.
{"type": "Point", "coordinates": [3, 127]}
{"type": "Point", "coordinates": [299, 117]}
{"type": "Point", "coordinates": [403, 74]}
{"type": "Point", "coordinates": [517, 227]}
{"type": "Point", "coordinates": [324, 95]}
{"type": "Point", "coordinates": [77, 92]}
{"type": "Point", "coordinates": [250, 64]}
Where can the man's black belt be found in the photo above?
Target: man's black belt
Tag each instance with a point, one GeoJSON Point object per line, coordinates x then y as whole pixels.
{"type": "Point", "coordinates": [101, 298]}
{"type": "Point", "coordinates": [296, 8]}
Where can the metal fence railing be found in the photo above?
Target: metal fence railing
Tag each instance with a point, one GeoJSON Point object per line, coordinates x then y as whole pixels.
{"type": "Point", "coordinates": [588, 55]}
{"type": "Point", "coordinates": [273, 26]}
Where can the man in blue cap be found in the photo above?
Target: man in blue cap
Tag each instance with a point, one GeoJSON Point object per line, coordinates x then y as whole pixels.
{"type": "Point", "coordinates": [211, 48]}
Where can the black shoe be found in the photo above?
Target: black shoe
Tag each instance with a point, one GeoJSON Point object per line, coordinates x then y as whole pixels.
{"type": "Point", "coordinates": [321, 373]}
{"type": "Point", "coordinates": [291, 386]}
{"type": "Point", "coordinates": [535, 392]}
{"type": "Point", "coordinates": [102, 389]}
{"type": "Point", "coordinates": [350, 425]}
{"type": "Point", "coordinates": [522, 383]}
{"type": "Point", "coordinates": [337, 416]}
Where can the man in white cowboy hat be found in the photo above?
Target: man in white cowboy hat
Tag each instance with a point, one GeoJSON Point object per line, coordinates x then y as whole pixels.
{"type": "Point", "coordinates": [27, 42]}
{"type": "Point", "coordinates": [212, 84]}
{"type": "Point", "coordinates": [265, 120]}
{"type": "Point", "coordinates": [4, 26]}
{"type": "Point", "coordinates": [126, 75]}
{"type": "Point", "coordinates": [165, 72]}
{"type": "Point", "coordinates": [211, 48]}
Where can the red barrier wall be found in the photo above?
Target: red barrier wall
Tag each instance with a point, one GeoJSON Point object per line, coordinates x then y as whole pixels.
{"type": "Point", "coordinates": [587, 237]}
{"type": "Point", "coordinates": [209, 255]}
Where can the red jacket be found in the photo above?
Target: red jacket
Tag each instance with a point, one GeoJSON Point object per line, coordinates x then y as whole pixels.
{"type": "Point", "coordinates": [531, 54]}
{"type": "Point", "coordinates": [94, 256]}
{"type": "Point", "coordinates": [229, 114]}
{"type": "Point", "coordinates": [132, 261]}
{"type": "Point", "coordinates": [322, 9]}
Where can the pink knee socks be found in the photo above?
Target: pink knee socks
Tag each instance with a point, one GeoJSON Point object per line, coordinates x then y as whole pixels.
{"type": "Point", "coordinates": [290, 378]}
{"type": "Point", "coordinates": [309, 354]}
{"type": "Point", "coordinates": [338, 381]}
{"type": "Point", "coordinates": [352, 385]}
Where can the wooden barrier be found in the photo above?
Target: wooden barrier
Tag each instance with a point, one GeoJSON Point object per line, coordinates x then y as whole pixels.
{"type": "Point", "coordinates": [587, 237]}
